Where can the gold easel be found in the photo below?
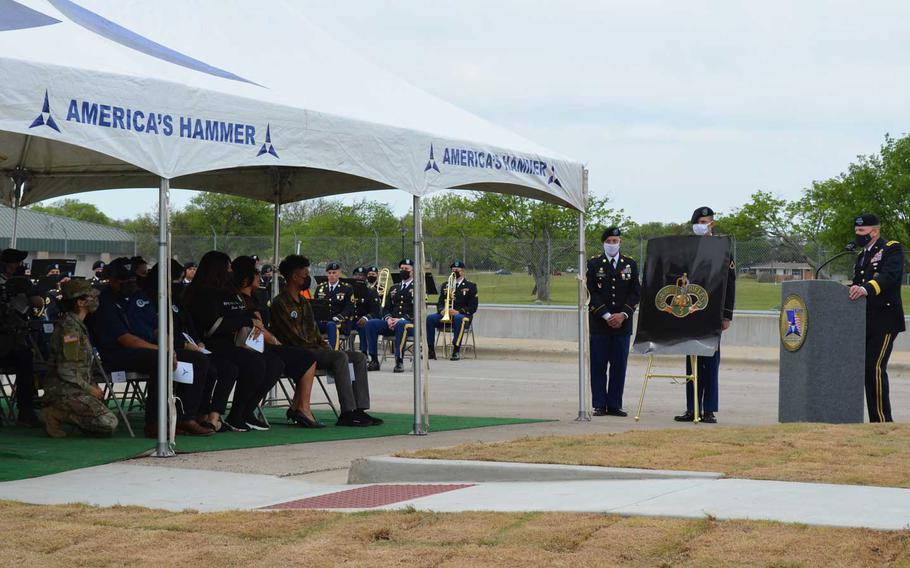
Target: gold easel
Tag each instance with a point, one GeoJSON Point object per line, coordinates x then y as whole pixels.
{"type": "Point", "coordinates": [693, 362]}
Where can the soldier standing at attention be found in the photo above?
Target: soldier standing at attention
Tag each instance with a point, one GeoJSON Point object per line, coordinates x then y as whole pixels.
{"type": "Point", "coordinates": [615, 290]}
{"type": "Point", "coordinates": [877, 277]}
{"type": "Point", "coordinates": [708, 367]}
{"type": "Point", "coordinates": [72, 397]}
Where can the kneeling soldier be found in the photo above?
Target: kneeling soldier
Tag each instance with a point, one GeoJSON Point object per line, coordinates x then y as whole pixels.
{"type": "Point", "coordinates": [71, 396]}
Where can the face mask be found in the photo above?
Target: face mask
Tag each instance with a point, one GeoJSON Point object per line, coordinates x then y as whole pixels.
{"type": "Point", "coordinates": [371, 279]}
{"type": "Point", "coordinates": [306, 283]}
{"type": "Point", "coordinates": [862, 240]}
{"type": "Point", "coordinates": [611, 250]}
{"type": "Point", "coordinates": [701, 229]}
{"type": "Point", "coordinates": [405, 275]}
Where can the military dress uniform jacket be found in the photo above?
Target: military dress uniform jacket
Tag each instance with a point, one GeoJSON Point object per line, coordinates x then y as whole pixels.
{"type": "Point", "coordinates": [880, 270]}
{"type": "Point", "coordinates": [341, 300]}
{"type": "Point", "coordinates": [465, 300]}
{"type": "Point", "coordinates": [400, 302]}
{"type": "Point", "coordinates": [70, 366]}
{"type": "Point", "coordinates": [368, 306]}
{"type": "Point", "coordinates": [612, 290]}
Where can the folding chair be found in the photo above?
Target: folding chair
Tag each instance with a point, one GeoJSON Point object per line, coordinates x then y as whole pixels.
{"type": "Point", "coordinates": [446, 332]}
{"type": "Point", "coordinates": [7, 399]}
{"type": "Point", "coordinates": [388, 345]}
{"type": "Point", "coordinates": [288, 391]}
{"type": "Point", "coordinates": [110, 395]}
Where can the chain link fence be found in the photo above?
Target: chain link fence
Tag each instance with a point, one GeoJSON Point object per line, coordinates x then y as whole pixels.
{"type": "Point", "coordinates": [539, 262]}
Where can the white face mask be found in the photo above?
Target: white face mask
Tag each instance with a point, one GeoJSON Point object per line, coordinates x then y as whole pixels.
{"type": "Point", "coordinates": [611, 250]}
{"type": "Point", "coordinates": [701, 229]}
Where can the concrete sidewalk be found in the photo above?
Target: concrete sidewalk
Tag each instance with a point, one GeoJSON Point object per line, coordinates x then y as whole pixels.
{"type": "Point", "coordinates": [181, 489]}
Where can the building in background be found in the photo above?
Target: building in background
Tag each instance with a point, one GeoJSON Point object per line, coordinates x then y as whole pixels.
{"type": "Point", "coordinates": [779, 271]}
{"type": "Point", "coordinates": [49, 236]}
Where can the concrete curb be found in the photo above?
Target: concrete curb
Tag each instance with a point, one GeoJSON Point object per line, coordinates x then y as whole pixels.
{"type": "Point", "coordinates": [387, 469]}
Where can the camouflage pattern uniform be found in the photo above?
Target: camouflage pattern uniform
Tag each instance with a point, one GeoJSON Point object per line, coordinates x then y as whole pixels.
{"type": "Point", "coordinates": [69, 380]}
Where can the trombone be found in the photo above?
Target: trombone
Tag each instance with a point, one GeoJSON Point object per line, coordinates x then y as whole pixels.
{"type": "Point", "coordinates": [383, 283]}
{"type": "Point", "coordinates": [450, 298]}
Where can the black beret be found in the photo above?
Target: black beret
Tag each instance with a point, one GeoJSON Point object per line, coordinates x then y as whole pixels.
{"type": "Point", "coordinates": [267, 268]}
{"type": "Point", "coordinates": [867, 220]}
{"type": "Point", "coordinates": [372, 268]}
{"type": "Point", "coordinates": [98, 264]}
{"type": "Point", "coordinates": [255, 257]}
{"type": "Point", "coordinates": [189, 265]}
{"type": "Point", "coordinates": [118, 269]}
{"type": "Point", "coordinates": [13, 255]}
{"type": "Point", "coordinates": [360, 270]}
{"type": "Point", "coordinates": [457, 264]}
{"type": "Point", "coordinates": [407, 261]}
{"type": "Point", "coordinates": [333, 266]}
{"type": "Point", "coordinates": [701, 212]}
{"type": "Point", "coordinates": [611, 232]}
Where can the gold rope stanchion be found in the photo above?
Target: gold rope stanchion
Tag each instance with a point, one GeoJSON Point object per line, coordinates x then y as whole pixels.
{"type": "Point", "coordinates": [693, 361]}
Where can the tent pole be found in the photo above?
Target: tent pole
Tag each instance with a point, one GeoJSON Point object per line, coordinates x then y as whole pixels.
{"type": "Point", "coordinates": [583, 415]}
{"type": "Point", "coordinates": [419, 308]}
{"type": "Point", "coordinates": [276, 238]}
{"type": "Point", "coordinates": [17, 199]}
{"type": "Point", "coordinates": [163, 448]}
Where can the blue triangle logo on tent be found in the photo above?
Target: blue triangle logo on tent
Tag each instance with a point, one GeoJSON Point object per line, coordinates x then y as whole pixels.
{"type": "Point", "coordinates": [553, 178]}
{"type": "Point", "coordinates": [267, 147]}
{"type": "Point", "coordinates": [431, 163]}
{"type": "Point", "coordinates": [44, 118]}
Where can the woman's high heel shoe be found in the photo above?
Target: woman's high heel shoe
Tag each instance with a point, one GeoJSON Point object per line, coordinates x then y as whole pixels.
{"type": "Point", "coordinates": [297, 417]}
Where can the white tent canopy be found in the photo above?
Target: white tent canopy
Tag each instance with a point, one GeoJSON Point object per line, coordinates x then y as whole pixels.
{"type": "Point", "coordinates": [179, 89]}
{"type": "Point", "coordinates": [238, 97]}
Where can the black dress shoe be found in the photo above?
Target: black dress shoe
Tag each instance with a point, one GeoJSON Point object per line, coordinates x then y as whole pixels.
{"type": "Point", "coordinates": [685, 417]}
{"type": "Point", "coordinates": [297, 417]}
{"type": "Point", "coordinates": [456, 356]}
{"type": "Point", "coordinates": [30, 419]}
{"type": "Point", "coordinates": [399, 366]}
{"type": "Point", "coordinates": [600, 412]}
{"type": "Point", "coordinates": [360, 413]}
{"type": "Point", "coordinates": [709, 418]}
{"type": "Point", "coordinates": [373, 366]}
{"type": "Point", "coordinates": [616, 412]}
{"type": "Point", "coordinates": [351, 418]}
{"type": "Point", "coordinates": [431, 354]}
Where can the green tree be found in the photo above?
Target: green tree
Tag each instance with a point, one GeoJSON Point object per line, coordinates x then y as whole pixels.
{"type": "Point", "coordinates": [76, 210]}
{"type": "Point", "coordinates": [227, 215]}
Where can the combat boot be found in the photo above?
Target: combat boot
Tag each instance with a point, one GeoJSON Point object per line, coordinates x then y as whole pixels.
{"type": "Point", "coordinates": [53, 419]}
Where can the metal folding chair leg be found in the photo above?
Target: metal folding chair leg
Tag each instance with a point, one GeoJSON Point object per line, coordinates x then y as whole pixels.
{"type": "Point", "coordinates": [109, 387]}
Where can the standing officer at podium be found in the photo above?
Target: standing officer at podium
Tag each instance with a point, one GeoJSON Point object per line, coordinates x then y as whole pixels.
{"type": "Point", "coordinates": [708, 367]}
{"type": "Point", "coordinates": [877, 277]}
{"type": "Point", "coordinates": [612, 281]}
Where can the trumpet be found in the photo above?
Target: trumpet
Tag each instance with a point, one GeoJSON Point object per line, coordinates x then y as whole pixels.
{"type": "Point", "coordinates": [450, 298]}
{"type": "Point", "coordinates": [383, 283]}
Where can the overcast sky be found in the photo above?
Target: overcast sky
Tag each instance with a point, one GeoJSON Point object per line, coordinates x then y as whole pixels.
{"type": "Point", "coordinates": [670, 104]}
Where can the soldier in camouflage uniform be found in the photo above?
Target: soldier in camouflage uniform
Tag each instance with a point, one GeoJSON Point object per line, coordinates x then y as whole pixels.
{"type": "Point", "coordinates": [71, 396]}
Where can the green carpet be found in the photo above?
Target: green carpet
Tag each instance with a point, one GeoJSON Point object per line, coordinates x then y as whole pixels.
{"type": "Point", "coordinates": [29, 452]}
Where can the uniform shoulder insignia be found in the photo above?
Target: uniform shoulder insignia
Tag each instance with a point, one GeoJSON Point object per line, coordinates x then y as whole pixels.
{"type": "Point", "coordinates": [892, 243]}
{"type": "Point", "coordinates": [595, 257]}
{"type": "Point", "coordinates": [70, 338]}
{"type": "Point", "coordinates": [733, 264]}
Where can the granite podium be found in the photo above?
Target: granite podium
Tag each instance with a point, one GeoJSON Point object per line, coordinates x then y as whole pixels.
{"type": "Point", "coordinates": [823, 342]}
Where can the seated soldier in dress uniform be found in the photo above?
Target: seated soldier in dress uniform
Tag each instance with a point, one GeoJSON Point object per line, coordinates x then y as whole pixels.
{"type": "Point", "coordinates": [97, 269]}
{"type": "Point", "coordinates": [70, 395]}
{"type": "Point", "coordinates": [877, 276]}
{"type": "Point", "coordinates": [461, 312]}
{"type": "Point", "coordinates": [398, 318]}
{"type": "Point", "coordinates": [340, 296]}
{"type": "Point", "coordinates": [366, 307]}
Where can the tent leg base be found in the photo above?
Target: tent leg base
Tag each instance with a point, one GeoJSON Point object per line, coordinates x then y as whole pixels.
{"type": "Point", "coordinates": [163, 451]}
{"type": "Point", "coordinates": [419, 432]}
{"type": "Point", "coordinates": [583, 417]}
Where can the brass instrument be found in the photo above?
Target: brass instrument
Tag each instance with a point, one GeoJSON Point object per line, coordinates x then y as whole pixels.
{"type": "Point", "coordinates": [450, 297]}
{"type": "Point", "coordinates": [383, 283]}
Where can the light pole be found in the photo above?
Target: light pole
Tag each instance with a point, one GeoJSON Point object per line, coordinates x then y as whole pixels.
{"type": "Point", "coordinates": [376, 246]}
{"type": "Point", "coordinates": [404, 231]}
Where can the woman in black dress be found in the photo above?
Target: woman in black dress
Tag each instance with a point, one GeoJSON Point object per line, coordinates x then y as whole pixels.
{"type": "Point", "coordinates": [299, 364]}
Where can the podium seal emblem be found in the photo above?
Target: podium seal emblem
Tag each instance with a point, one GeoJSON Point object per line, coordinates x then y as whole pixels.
{"type": "Point", "coordinates": [794, 322]}
{"type": "Point", "coordinates": [681, 299]}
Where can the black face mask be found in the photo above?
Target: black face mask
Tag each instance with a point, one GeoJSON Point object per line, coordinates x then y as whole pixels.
{"type": "Point", "coordinates": [371, 279]}
{"type": "Point", "coordinates": [862, 240]}
{"type": "Point", "coordinates": [404, 274]}
{"type": "Point", "coordinates": [306, 283]}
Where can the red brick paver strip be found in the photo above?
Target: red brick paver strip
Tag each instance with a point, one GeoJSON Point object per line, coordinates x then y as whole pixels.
{"type": "Point", "coordinates": [367, 497]}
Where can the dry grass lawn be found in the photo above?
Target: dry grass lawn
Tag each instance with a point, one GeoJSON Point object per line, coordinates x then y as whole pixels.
{"type": "Point", "coordinates": [856, 454]}
{"type": "Point", "coordinates": [78, 535]}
